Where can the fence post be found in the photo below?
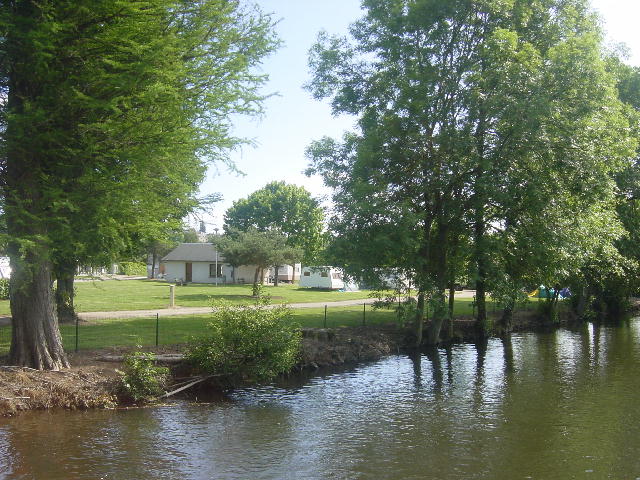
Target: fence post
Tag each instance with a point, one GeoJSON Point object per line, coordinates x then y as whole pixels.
{"type": "Point", "coordinates": [364, 310]}
{"type": "Point", "coordinates": [77, 330]}
{"type": "Point", "coordinates": [325, 316]}
{"type": "Point", "coordinates": [157, 326]}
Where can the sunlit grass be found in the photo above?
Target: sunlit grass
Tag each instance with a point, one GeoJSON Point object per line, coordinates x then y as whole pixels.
{"type": "Point", "coordinates": [115, 295]}
{"type": "Point", "coordinates": [117, 332]}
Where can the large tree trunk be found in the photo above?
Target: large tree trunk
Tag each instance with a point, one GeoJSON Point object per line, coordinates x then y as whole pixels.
{"type": "Point", "coordinates": [277, 271]}
{"type": "Point", "coordinates": [65, 293]}
{"type": "Point", "coordinates": [36, 340]}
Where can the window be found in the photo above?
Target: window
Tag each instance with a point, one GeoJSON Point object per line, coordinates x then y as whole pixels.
{"type": "Point", "coordinates": [212, 270]}
{"type": "Point", "coordinates": [324, 274]}
{"type": "Point", "coordinates": [307, 274]}
{"type": "Point", "coordinates": [336, 276]}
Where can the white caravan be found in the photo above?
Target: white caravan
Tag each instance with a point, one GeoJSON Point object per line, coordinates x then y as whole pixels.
{"type": "Point", "coordinates": [325, 277]}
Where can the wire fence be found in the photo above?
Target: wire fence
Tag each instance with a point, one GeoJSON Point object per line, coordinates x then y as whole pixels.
{"type": "Point", "coordinates": [121, 331]}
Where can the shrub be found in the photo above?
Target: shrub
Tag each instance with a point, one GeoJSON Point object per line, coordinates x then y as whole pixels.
{"type": "Point", "coordinates": [247, 343]}
{"type": "Point", "coordinates": [4, 289]}
{"type": "Point", "coordinates": [140, 378]}
{"type": "Point", "coordinates": [133, 268]}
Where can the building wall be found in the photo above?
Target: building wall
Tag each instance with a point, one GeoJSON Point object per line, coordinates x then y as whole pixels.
{"type": "Point", "coordinates": [175, 270]}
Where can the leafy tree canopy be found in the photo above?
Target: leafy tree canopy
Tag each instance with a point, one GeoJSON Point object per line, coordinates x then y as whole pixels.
{"type": "Point", "coordinates": [284, 208]}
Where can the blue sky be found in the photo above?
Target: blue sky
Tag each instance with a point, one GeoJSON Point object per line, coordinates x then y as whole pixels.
{"type": "Point", "coordinates": [293, 119]}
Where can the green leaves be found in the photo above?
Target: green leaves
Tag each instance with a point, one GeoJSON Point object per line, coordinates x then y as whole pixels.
{"type": "Point", "coordinates": [247, 343]}
{"type": "Point", "coordinates": [285, 209]}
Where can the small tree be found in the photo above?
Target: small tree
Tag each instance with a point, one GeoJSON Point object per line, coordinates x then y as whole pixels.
{"type": "Point", "coordinates": [262, 249]}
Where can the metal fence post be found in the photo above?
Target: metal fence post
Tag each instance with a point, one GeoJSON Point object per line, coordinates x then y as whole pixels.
{"type": "Point", "coordinates": [364, 311]}
{"type": "Point", "coordinates": [157, 326]}
{"type": "Point", "coordinates": [77, 330]}
{"type": "Point", "coordinates": [325, 316]}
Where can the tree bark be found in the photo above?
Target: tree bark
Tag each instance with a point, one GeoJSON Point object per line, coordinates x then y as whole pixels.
{"type": "Point", "coordinates": [452, 300]}
{"type": "Point", "coordinates": [154, 259]}
{"type": "Point", "coordinates": [275, 280]}
{"type": "Point", "coordinates": [36, 340]}
{"type": "Point", "coordinates": [65, 293]}
{"type": "Point", "coordinates": [439, 264]}
{"type": "Point", "coordinates": [419, 320]}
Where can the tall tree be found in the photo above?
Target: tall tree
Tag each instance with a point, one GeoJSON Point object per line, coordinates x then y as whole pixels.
{"type": "Point", "coordinates": [112, 110]}
{"type": "Point", "coordinates": [458, 104]}
{"type": "Point", "coordinates": [288, 209]}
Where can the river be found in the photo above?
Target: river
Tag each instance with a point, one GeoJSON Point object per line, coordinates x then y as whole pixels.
{"type": "Point", "coordinates": [559, 405]}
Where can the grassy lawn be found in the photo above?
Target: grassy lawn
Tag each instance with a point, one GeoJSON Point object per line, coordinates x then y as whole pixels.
{"type": "Point", "coordinates": [179, 329]}
{"type": "Point", "coordinates": [114, 295]}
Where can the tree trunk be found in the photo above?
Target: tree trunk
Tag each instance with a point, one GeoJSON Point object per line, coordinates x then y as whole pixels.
{"type": "Point", "coordinates": [36, 340]}
{"type": "Point", "coordinates": [506, 321]}
{"type": "Point", "coordinates": [154, 259]}
{"type": "Point", "coordinates": [482, 324]}
{"type": "Point", "coordinates": [65, 293]}
{"type": "Point", "coordinates": [275, 279]}
{"type": "Point", "coordinates": [419, 320]}
{"type": "Point", "coordinates": [256, 276]}
{"type": "Point", "coordinates": [452, 300]}
{"type": "Point", "coordinates": [479, 226]}
{"type": "Point", "coordinates": [439, 264]}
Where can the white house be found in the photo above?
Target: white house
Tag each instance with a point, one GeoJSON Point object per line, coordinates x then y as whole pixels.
{"type": "Point", "coordinates": [202, 263]}
{"type": "Point", "coordinates": [325, 277]}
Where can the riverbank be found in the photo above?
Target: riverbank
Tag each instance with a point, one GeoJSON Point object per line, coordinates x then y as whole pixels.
{"type": "Point", "coordinates": [92, 382]}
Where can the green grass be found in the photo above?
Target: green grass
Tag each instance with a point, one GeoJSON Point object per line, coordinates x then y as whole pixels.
{"type": "Point", "coordinates": [115, 295]}
{"type": "Point", "coordinates": [118, 332]}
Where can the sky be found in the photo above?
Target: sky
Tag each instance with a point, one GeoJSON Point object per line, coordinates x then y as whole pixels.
{"type": "Point", "coordinates": [293, 119]}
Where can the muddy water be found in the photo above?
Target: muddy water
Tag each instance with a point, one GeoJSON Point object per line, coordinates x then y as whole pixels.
{"type": "Point", "coordinates": [544, 406]}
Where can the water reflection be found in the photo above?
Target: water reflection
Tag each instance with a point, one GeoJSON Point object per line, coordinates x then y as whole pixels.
{"type": "Point", "coordinates": [551, 406]}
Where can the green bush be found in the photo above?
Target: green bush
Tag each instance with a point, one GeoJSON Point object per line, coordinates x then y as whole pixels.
{"type": "Point", "coordinates": [133, 268]}
{"type": "Point", "coordinates": [4, 289]}
{"type": "Point", "coordinates": [140, 378]}
{"type": "Point", "coordinates": [247, 343]}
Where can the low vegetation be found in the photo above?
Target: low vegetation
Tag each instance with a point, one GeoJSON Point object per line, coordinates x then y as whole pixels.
{"type": "Point", "coordinates": [247, 343]}
{"type": "Point", "coordinates": [141, 379]}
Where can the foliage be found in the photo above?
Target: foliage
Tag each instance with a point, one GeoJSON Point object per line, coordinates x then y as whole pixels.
{"type": "Point", "coordinates": [247, 343]}
{"type": "Point", "coordinates": [4, 289]}
{"type": "Point", "coordinates": [111, 111]}
{"type": "Point", "coordinates": [494, 124]}
{"type": "Point", "coordinates": [288, 209]}
{"type": "Point", "coordinates": [260, 248]}
{"type": "Point", "coordinates": [140, 378]}
{"type": "Point", "coordinates": [133, 268]}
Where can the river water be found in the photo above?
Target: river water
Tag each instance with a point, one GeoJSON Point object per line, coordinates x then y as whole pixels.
{"type": "Point", "coordinates": [561, 405]}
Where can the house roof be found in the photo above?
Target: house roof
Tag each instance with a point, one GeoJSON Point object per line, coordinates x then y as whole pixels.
{"type": "Point", "coordinates": [193, 252]}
